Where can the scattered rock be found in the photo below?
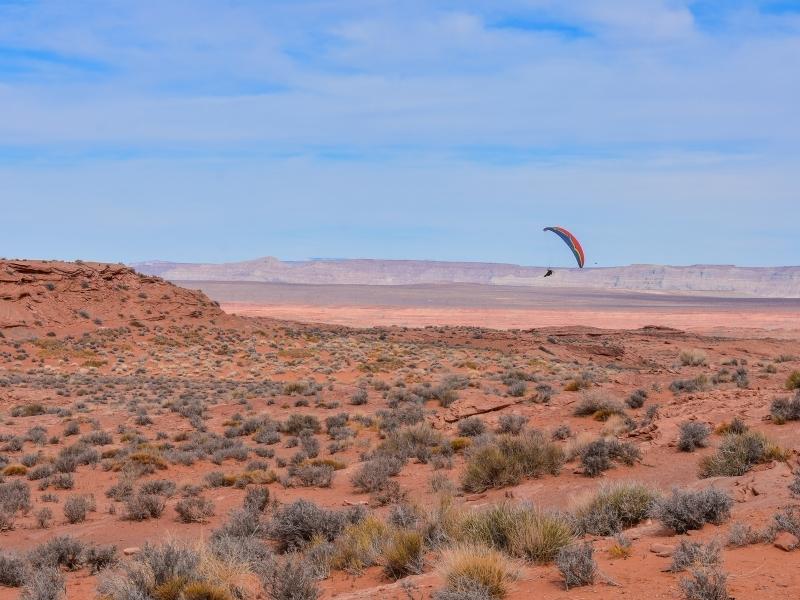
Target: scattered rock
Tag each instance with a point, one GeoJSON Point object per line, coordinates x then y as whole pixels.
{"type": "Point", "coordinates": [786, 541]}
{"type": "Point", "coordinates": [474, 497]}
{"type": "Point", "coordinates": [662, 550]}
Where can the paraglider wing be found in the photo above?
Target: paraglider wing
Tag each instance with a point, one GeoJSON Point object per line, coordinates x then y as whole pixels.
{"type": "Point", "coordinates": [571, 241]}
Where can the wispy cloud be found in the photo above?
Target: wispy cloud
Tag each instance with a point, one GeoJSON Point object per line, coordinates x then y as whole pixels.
{"type": "Point", "coordinates": [695, 90]}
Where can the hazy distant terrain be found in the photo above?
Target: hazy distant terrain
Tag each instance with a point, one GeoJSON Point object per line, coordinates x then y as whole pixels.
{"type": "Point", "coordinates": [717, 280]}
{"type": "Point", "coordinates": [501, 306]}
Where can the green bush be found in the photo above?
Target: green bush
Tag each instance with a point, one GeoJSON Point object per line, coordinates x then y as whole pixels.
{"type": "Point", "coordinates": [793, 381]}
{"type": "Point", "coordinates": [615, 507]}
{"type": "Point", "coordinates": [738, 453]}
{"type": "Point", "coordinates": [510, 459]}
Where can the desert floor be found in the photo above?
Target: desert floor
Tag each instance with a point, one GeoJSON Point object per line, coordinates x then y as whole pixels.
{"type": "Point", "coordinates": [504, 307]}
{"type": "Point", "coordinates": [112, 384]}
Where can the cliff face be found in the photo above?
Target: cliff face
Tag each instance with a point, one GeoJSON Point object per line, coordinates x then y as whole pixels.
{"type": "Point", "coordinates": [82, 295]}
{"type": "Point", "coordinates": [722, 280]}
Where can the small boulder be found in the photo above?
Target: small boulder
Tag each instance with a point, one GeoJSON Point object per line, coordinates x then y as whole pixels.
{"type": "Point", "coordinates": [662, 550]}
{"type": "Point", "coordinates": [131, 551]}
{"type": "Point", "coordinates": [786, 541]}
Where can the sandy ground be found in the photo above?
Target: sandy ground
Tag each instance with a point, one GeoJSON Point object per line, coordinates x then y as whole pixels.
{"type": "Point", "coordinates": [504, 307]}
{"type": "Point", "coordinates": [713, 322]}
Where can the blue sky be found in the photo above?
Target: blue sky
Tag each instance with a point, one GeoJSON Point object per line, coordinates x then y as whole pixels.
{"type": "Point", "coordinates": [659, 131]}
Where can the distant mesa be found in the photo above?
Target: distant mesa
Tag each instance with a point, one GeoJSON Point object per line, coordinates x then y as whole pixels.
{"type": "Point", "coordinates": [716, 280]}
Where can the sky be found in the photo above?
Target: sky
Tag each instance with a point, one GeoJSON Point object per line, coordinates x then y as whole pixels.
{"type": "Point", "coordinates": [658, 131]}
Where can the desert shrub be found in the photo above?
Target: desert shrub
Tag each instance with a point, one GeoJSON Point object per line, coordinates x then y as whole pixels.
{"type": "Point", "coordinates": [510, 459]}
{"type": "Point", "coordinates": [577, 565]}
{"type": "Point", "coordinates": [319, 555]}
{"type": "Point", "coordinates": [690, 386]}
{"type": "Point", "coordinates": [267, 436]}
{"type": "Point", "coordinates": [463, 565]}
{"type": "Point", "coordinates": [62, 481]}
{"type": "Point", "coordinates": [71, 428]}
{"type": "Point", "coordinates": [15, 470]}
{"type": "Point", "coordinates": [157, 571]}
{"type": "Point", "coordinates": [511, 424]}
{"type": "Point", "coordinates": [407, 414]}
{"type": "Point", "coordinates": [97, 438]}
{"type": "Point", "coordinates": [292, 579]}
{"type": "Point", "coordinates": [793, 381]}
{"type": "Point", "coordinates": [297, 423]}
{"type": "Point", "coordinates": [622, 546]}
{"type": "Point", "coordinates": [544, 393]}
{"type": "Point", "coordinates": [40, 472]}
{"type": "Point", "coordinates": [310, 445]}
{"type": "Point", "coordinates": [471, 427]}
{"type": "Point", "coordinates": [463, 589]}
{"type": "Point", "coordinates": [445, 394]}
{"type": "Point", "coordinates": [539, 536]}
{"type": "Point", "coordinates": [742, 534]}
{"type": "Point", "coordinates": [144, 506]}
{"type": "Point", "coordinates": [736, 426]}
{"type": "Point", "coordinates": [15, 496]}
{"type": "Point", "coordinates": [194, 510]}
{"type": "Point", "coordinates": [416, 441]}
{"type": "Point", "coordinates": [689, 554]}
{"type": "Point", "coordinates": [99, 558]}
{"type": "Point", "coordinates": [517, 389]}
{"type": "Point", "coordinates": [686, 510]}
{"type": "Point", "coordinates": [705, 584]}
{"type": "Point", "coordinates": [599, 405]}
{"type": "Point", "coordinates": [162, 487]}
{"type": "Point", "coordinates": [599, 455]}
{"type": "Point", "coordinates": [218, 479]}
{"type": "Point", "coordinates": [615, 507]}
{"type": "Point", "coordinates": [314, 475]}
{"type": "Point", "coordinates": [360, 545]}
{"type": "Point", "coordinates": [693, 435]}
{"type": "Point", "coordinates": [518, 530]}
{"type": "Point", "coordinates": [249, 552]}
{"type": "Point", "coordinates": [120, 490]}
{"type": "Point", "coordinates": [794, 486]}
{"type": "Point", "coordinates": [256, 499]}
{"type": "Point", "coordinates": [28, 410]}
{"type": "Point", "coordinates": [403, 516]}
{"type": "Point", "coordinates": [783, 410]}
{"type": "Point", "coordinates": [440, 482]}
{"type": "Point", "coordinates": [636, 399]}
{"type": "Point", "coordinates": [582, 382]}
{"type": "Point", "coordinates": [374, 474]}
{"type": "Point", "coordinates": [740, 378]}
{"type": "Point", "coordinates": [693, 358]}
{"type": "Point", "coordinates": [295, 524]}
{"type": "Point", "coordinates": [359, 397]}
{"type": "Point", "coordinates": [62, 551]}
{"type": "Point", "coordinates": [403, 554]}
{"type": "Point", "coordinates": [12, 569]}
{"type": "Point", "coordinates": [787, 519]}
{"type": "Point", "coordinates": [562, 432]}
{"type": "Point", "coordinates": [650, 415]}
{"type": "Point", "coordinates": [30, 460]}
{"type": "Point", "coordinates": [738, 453]}
{"type": "Point", "coordinates": [76, 507]}
{"type": "Point", "coordinates": [44, 518]}
{"type": "Point", "coordinates": [43, 584]}
{"type": "Point", "coordinates": [241, 525]}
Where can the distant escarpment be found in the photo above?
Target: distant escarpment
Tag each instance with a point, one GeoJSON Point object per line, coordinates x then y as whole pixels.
{"type": "Point", "coordinates": [720, 280]}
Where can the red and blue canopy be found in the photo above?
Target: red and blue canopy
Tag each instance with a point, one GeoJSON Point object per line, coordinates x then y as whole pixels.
{"type": "Point", "coordinates": [571, 241]}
